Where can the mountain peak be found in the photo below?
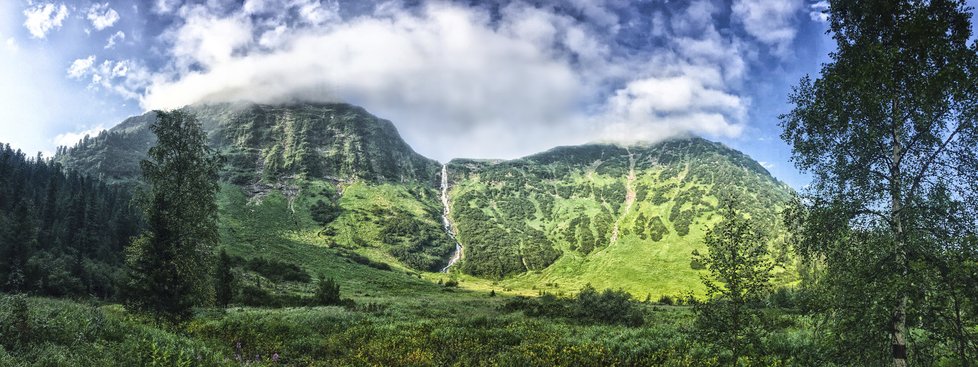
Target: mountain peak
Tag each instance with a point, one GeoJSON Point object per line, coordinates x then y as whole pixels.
{"type": "Point", "coordinates": [264, 142]}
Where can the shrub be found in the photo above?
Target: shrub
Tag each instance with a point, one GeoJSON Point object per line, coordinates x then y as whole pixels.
{"type": "Point", "coordinates": [666, 300]}
{"type": "Point", "coordinates": [782, 298]}
{"type": "Point", "coordinates": [363, 260]}
{"type": "Point", "coordinates": [328, 292]}
{"type": "Point", "coordinates": [277, 270]}
{"type": "Point", "coordinates": [606, 307]}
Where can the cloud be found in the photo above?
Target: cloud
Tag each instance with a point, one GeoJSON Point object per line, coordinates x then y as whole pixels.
{"type": "Point", "coordinates": [71, 138]}
{"type": "Point", "coordinates": [126, 78]}
{"type": "Point", "coordinates": [80, 67]}
{"type": "Point", "coordinates": [12, 45]}
{"type": "Point", "coordinates": [819, 11]}
{"type": "Point", "coordinates": [42, 18]}
{"type": "Point", "coordinates": [464, 81]}
{"type": "Point", "coordinates": [771, 22]}
{"type": "Point", "coordinates": [114, 39]}
{"type": "Point", "coordinates": [444, 69]}
{"type": "Point", "coordinates": [102, 16]}
{"type": "Point", "coordinates": [166, 6]}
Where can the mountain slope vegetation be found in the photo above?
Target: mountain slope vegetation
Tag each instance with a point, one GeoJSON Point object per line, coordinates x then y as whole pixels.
{"type": "Point", "coordinates": [610, 215]}
{"type": "Point", "coordinates": [615, 216]}
{"type": "Point", "coordinates": [351, 172]}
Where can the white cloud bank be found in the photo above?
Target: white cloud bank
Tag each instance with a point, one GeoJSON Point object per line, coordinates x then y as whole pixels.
{"type": "Point", "coordinates": [459, 83]}
{"type": "Point", "coordinates": [42, 18]}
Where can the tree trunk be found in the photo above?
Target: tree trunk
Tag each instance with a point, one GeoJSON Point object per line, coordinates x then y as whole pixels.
{"type": "Point", "coordinates": [898, 324]}
{"type": "Point", "coordinates": [959, 329]}
{"type": "Point", "coordinates": [899, 333]}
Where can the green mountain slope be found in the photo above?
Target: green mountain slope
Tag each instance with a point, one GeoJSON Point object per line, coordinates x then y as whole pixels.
{"type": "Point", "coordinates": [335, 180]}
{"type": "Point", "coordinates": [349, 172]}
{"type": "Point", "coordinates": [613, 216]}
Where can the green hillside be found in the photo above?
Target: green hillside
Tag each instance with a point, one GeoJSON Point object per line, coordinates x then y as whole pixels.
{"type": "Point", "coordinates": [612, 216]}
{"type": "Point", "coordinates": [347, 176]}
{"type": "Point", "coordinates": [333, 176]}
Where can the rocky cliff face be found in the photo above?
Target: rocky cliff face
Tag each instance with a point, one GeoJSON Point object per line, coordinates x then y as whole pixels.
{"type": "Point", "coordinates": [263, 143]}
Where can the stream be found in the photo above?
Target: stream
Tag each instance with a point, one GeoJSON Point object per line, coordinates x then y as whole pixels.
{"type": "Point", "coordinates": [447, 223]}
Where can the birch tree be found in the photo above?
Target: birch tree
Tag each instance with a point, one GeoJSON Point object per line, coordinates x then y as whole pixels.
{"type": "Point", "coordinates": [891, 117]}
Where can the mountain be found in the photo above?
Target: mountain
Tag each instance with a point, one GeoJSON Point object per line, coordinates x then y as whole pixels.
{"type": "Point", "coordinates": [610, 215]}
{"type": "Point", "coordinates": [265, 142]}
{"type": "Point", "coordinates": [334, 176]}
{"type": "Point", "coordinates": [344, 177]}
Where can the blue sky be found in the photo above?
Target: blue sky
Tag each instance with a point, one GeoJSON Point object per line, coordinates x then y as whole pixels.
{"type": "Point", "coordinates": [485, 79]}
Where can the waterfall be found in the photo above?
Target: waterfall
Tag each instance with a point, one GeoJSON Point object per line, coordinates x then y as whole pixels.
{"type": "Point", "coordinates": [446, 222]}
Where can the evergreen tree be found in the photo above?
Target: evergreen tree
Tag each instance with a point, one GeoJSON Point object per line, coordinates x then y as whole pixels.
{"type": "Point", "coordinates": [55, 236]}
{"type": "Point", "coordinates": [891, 116]}
{"type": "Point", "coordinates": [224, 280]}
{"type": "Point", "coordinates": [170, 263]}
{"type": "Point", "coordinates": [740, 273]}
{"type": "Point", "coordinates": [327, 292]}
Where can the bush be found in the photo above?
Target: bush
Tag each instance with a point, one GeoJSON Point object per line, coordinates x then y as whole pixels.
{"type": "Point", "coordinates": [276, 270]}
{"type": "Point", "coordinates": [324, 212]}
{"type": "Point", "coordinates": [363, 260]}
{"type": "Point", "coordinates": [782, 298]}
{"type": "Point", "coordinates": [606, 307]}
{"type": "Point", "coordinates": [328, 292]}
{"type": "Point", "coordinates": [666, 300]}
{"type": "Point", "coordinates": [255, 296]}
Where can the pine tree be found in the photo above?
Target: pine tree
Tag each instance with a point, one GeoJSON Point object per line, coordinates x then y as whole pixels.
{"type": "Point", "coordinates": [224, 280]}
{"type": "Point", "coordinates": [327, 292]}
{"type": "Point", "coordinates": [170, 263]}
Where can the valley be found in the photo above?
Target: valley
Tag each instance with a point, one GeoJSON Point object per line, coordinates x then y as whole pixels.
{"type": "Point", "coordinates": [739, 183]}
{"type": "Point", "coordinates": [605, 215]}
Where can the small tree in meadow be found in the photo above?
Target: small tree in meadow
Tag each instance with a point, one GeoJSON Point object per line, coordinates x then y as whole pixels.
{"type": "Point", "coordinates": [328, 291]}
{"type": "Point", "coordinates": [224, 281]}
{"type": "Point", "coordinates": [739, 276]}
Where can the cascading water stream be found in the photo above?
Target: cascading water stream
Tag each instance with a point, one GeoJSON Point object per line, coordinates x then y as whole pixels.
{"type": "Point", "coordinates": [446, 222]}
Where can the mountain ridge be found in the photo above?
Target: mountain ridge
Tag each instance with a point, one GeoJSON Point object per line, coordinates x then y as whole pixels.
{"type": "Point", "coordinates": [349, 181]}
{"type": "Point", "coordinates": [262, 142]}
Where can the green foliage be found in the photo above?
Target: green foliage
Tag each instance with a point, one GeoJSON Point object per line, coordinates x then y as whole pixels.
{"type": "Point", "coordinates": [42, 332]}
{"type": "Point", "coordinates": [225, 283]}
{"type": "Point", "coordinates": [560, 208]}
{"type": "Point", "coordinates": [887, 131]}
{"type": "Point", "coordinates": [327, 292]}
{"type": "Point", "coordinates": [61, 234]}
{"type": "Point", "coordinates": [324, 212]}
{"type": "Point", "coordinates": [170, 263]}
{"type": "Point", "coordinates": [363, 260]}
{"type": "Point", "coordinates": [666, 300]}
{"type": "Point", "coordinates": [605, 307]}
{"type": "Point", "coordinates": [277, 270]}
{"type": "Point", "coordinates": [608, 306]}
{"type": "Point", "coordinates": [740, 275]}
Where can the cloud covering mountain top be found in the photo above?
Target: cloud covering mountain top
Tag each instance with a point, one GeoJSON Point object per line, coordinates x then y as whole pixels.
{"type": "Point", "coordinates": [497, 79]}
